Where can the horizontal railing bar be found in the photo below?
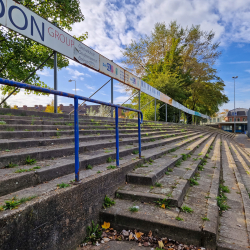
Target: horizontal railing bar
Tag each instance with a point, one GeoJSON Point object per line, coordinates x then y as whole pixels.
{"type": "Point", "coordinates": [60, 93]}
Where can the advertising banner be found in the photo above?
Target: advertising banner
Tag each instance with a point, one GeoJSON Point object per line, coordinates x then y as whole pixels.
{"type": "Point", "coordinates": [20, 19]}
{"type": "Point", "coordinates": [166, 99]}
{"type": "Point", "coordinates": [132, 80]}
{"type": "Point", "coordinates": [111, 69]}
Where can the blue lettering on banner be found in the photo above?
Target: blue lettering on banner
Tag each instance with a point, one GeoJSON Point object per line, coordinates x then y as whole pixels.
{"type": "Point", "coordinates": [3, 9]}
{"type": "Point", "coordinates": [25, 17]}
{"type": "Point", "coordinates": [34, 21]}
{"type": "Point", "coordinates": [108, 67]}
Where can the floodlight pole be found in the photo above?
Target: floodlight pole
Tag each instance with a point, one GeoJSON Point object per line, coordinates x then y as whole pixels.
{"type": "Point", "coordinates": [55, 81]}
{"type": "Point", "coordinates": [234, 77]}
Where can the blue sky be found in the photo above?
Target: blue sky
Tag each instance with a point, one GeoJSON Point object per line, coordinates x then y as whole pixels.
{"type": "Point", "coordinates": [112, 24]}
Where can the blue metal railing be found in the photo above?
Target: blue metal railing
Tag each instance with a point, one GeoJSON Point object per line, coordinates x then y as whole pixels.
{"type": "Point", "coordinates": [76, 120]}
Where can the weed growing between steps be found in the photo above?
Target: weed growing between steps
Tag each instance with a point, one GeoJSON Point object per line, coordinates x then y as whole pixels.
{"type": "Point", "coordinates": [14, 203]}
{"type": "Point", "coordinates": [63, 185]}
{"type": "Point", "coordinates": [108, 202]}
{"type": "Point", "coordinates": [27, 170]}
{"type": "Point", "coordinates": [222, 198]}
{"type": "Point", "coordinates": [30, 161]}
{"type": "Point", "coordinates": [187, 209]}
{"type": "Point", "coordinates": [11, 165]}
{"type": "Point", "coordinates": [134, 209]}
{"type": "Point", "coordinates": [89, 166]}
{"type": "Point", "coordinates": [163, 203]}
{"type": "Point", "coordinates": [111, 167]}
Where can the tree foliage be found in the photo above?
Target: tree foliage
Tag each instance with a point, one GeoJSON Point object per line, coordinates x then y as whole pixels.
{"type": "Point", "coordinates": [20, 56]}
{"type": "Point", "coordinates": [50, 108]}
{"type": "Point", "coordinates": [180, 63]}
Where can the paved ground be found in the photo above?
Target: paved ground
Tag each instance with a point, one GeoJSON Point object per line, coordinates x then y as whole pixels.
{"type": "Point", "coordinates": [243, 140]}
{"type": "Point", "coordinates": [113, 245]}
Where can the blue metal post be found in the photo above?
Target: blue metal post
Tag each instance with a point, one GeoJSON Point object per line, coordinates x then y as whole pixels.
{"type": "Point", "coordinates": [76, 127]}
{"type": "Point", "coordinates": [139, 134]}
{"type": "Point", "coordinates": [55, 81]}
{"type": "Point", "coordinates": [117, 137]}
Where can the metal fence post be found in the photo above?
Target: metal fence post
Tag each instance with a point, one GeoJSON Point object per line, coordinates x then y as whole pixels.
{"type": "Point", "coordinates": [139, 100]}
{"type": "Point", "coordinates": [55, 81]}
{"type": "Point", "coordinates": [155, 109]}
{"type": "Point", "coordinates": [166, 112]}
{"type": "Point", "coordinates": [76, 127]}
{"type": "Point", "coordinates": [139, 134]}
{"type": "Point", "coordinates": [112, 96]}
{"type": "Point", "coordinates": [117, 137]}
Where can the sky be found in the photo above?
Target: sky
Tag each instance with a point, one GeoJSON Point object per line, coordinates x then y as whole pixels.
{"type": "Point", "coordinates": [112, 24]}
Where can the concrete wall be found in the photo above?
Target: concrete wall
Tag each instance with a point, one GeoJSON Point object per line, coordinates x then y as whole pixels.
{"type": "Point", "coordinates": [58, 220]}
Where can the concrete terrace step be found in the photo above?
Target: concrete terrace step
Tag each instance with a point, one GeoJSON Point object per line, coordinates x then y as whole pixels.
{"type": "Point", "coordinates": [149, 175]}
{"type": "Point", "coordinates": [174, 185]}
{"type": "Point", "coordinates": [234, 223]}
{"type": "Point", "coordinates": [34, 142]}
{"type": "Point", "coordinates": [58, 133]}
{"type": "Point", "coordinates": [190, 228]}
{"type": "Point", "coordinates": [18, 156]}
{"type": "Point", "coordinates": [57, 218]}
{"type": "Point", "coordinates": [50, 169]}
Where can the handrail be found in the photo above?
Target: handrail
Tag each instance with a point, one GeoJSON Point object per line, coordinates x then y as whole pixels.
{"type": "Point", "coordinates": [76, 122]}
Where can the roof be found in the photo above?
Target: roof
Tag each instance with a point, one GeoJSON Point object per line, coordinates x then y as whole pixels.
{"type": "Point", "coordinates": [240, 112]}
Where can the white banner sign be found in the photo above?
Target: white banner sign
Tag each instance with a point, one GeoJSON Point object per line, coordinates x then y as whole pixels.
{"type": "Point", "coordinates": [20, 19]}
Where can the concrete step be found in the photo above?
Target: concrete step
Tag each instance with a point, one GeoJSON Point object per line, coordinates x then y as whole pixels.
{"type": "Point", "coordinates": [190, 228]}
{"type": "Point", "coordinates": [47, 133]}
{"type": "Point", "coordinates": [234, 222]}
{"type": "Point", "coordinates": [149, 175]}
{"type": "Point", "coordinates": [175, 184]}
{"type": "Point", "coordinates": [18, 156]}
{"type": "Point", "coordinates": [53, 168]}
{"type": "Point", "coordinates": [35, 142]}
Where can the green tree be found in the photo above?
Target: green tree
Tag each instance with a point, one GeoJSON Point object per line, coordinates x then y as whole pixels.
{"type": "Point", "coordinates": [20, 55]}
{"type": "Point", "coordinates": [180, 63]}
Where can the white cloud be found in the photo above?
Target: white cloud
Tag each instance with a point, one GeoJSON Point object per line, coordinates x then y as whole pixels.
{"type": "Point", "coordinates": [74, 73]}
{"type": "Point", "coordinates": [120, 99]}
{"type": "Point", "coordinates": [120, 89]}
{"type": "Point", "coordinates": [77, 89]}
{"type": "Point", "coordinates": [112, 24]}
{"type": "Point", "coordinates": [247, 70]}
{"type": "Point", "coordinates": [44, 72]}
{"type": "Point", "coordinates": [81, 78]}
{"type": "Point", "coordinates": [89, 87]}
{"type": "Point", "coordinates": [30, 100]}
{"type": "Point", "coordinates": [102, 93]}
{"type": "Point", "coordinates": [239, 62]}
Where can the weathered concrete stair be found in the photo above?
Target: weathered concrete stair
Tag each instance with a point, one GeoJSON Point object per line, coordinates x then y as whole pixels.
{"type": "Point", "coordinates": [57, 218]}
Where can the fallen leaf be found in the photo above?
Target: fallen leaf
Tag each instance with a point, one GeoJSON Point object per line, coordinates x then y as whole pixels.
{"type": "Point", "coordinates": [150, 234]}
{"type": "Point", "coordinates": [106, 225]}
{"type": "Point", "coordinates": [138, 235]}
{"type": "Point", "coordinates": [160, 243]}
{"type": "Point", "coordinates": [163, 206]}
{"type": "Point", "coordinates": [130, 236]}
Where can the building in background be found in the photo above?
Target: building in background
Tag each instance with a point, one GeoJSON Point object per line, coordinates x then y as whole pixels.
{"type": "Point", "coordinates": [240, 116]}
{"type": "Point", "coordinates": [85, 109]}
{"type": "Point", "coordinates": [225, 120]}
